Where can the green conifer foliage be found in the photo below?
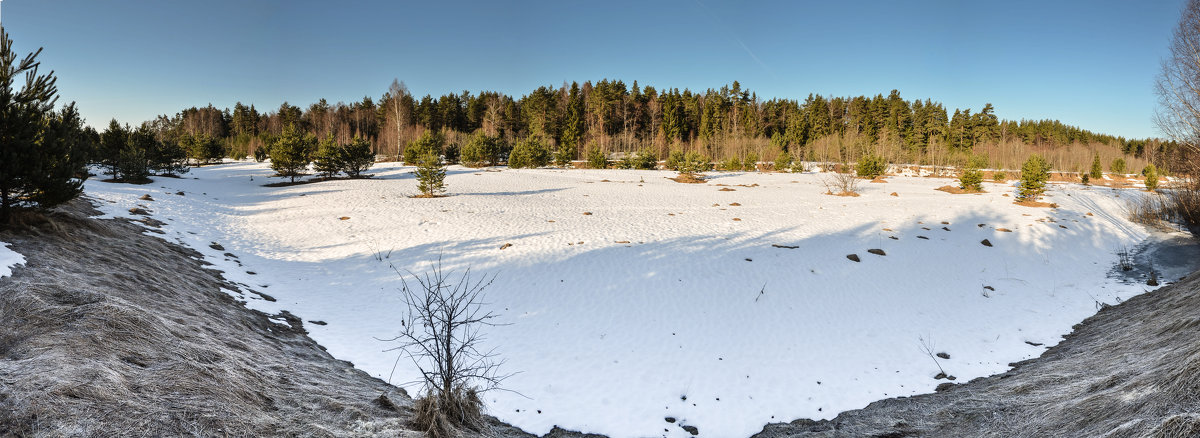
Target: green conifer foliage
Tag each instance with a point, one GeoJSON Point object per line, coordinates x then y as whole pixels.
{"type": "Point", "coordinates": [1034, 174]}
{"type": "Point", "coordinates": [292, 152]}
{"type": "Point", "coordinates": [43, 153]}
{"type": "Point", "coordinates": [357, 157]}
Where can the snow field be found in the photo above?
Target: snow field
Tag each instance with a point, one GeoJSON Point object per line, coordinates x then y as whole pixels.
{"type": "Point", "coordinates": [667, 300]}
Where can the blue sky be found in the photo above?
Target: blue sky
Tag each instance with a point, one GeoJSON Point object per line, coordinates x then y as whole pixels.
{"type": "Point", "coordinates": [1087, 63]}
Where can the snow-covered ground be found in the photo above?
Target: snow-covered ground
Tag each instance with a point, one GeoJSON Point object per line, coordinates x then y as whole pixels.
{"type": "Point", "coordinates": [8, 259]}
{"type": "Point", "coordinates": [668, 299]}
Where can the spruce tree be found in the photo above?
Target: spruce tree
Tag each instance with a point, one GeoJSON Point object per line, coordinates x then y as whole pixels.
{"type": "Point", "coordinates": [1097, 172]}
{"type": "Point", "coordinates": [357, 157]}
{"type": "Point", "coordinates": [43, 153]}
{"type": "Point", "coordinates": [291, 153]}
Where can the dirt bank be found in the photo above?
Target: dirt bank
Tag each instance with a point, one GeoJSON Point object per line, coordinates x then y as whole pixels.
{"type": "Point", "coordinates": [105, 331]}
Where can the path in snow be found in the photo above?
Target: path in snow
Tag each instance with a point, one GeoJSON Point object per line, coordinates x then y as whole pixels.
{"type": "Point", "coordinates": [668, 299]}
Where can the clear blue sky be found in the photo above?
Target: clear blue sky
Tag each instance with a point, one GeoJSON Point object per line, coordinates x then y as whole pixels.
{"type": "Point", "coordinates": [1087, 63]}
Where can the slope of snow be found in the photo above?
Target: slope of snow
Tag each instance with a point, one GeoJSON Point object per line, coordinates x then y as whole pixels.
{"type": "Point", "coordinates": [667, 300]}
{"type": "Point", "coordinates": [9, 259]}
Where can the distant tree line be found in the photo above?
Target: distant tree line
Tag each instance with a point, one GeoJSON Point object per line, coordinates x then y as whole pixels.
{"type": "Point", "coordinates": [611, 117]}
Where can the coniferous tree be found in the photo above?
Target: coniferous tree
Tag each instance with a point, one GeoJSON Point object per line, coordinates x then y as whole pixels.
{"type": "Point", "coordinates": [1034, 174]}
{"type": "Point", "coordinates": [480, 150]}
{"type": "Point", "coordinates": [1151, 174]}
{"type": "Point", "coordinates": [529, 153]}
{"type": "Point", "coordinates": [431, 174]}
{"type": "Point", "coordinates": [112, 142]}
{"type": "Point", "coordinates": [430, 142]}
{"type": "Point", "coordinates": [1097, 172]}
{"type": "Point", "coordinates": [42, 152]}
{"type": "Point", "coordinates": [291, 153]}
{"type": "Point", "coordinates": [357, 158]}
{"type": "Point", "coordinates": [329, 158]}
{"type": "Point", "coordinates": [1117, 166]}
{"type": "Point", "coordinates": [596, 158]}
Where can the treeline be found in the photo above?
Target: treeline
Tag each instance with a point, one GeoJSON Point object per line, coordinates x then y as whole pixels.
{"type": "Point", "coordinates": [612, 117]}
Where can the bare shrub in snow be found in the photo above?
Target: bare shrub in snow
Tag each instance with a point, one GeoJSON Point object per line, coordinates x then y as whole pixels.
{"type": "Point", "coordinates": [442, 335]}
{"type": "Point", "coordinates": [841, 184]}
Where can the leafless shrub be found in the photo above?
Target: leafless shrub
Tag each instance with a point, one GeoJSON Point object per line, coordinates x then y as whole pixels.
{"type": "Point", "coordinates": [841, 184]}
{"type": "Point", "coordinates": [442, 335]}
{"type": "Point", "coordinates": [927, 348]}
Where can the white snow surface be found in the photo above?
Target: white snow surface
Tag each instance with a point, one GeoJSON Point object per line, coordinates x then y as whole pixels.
{"type": "Point", "coordinates": [9, 259]}
{"type": "Point", "coordinates": [697, 317]}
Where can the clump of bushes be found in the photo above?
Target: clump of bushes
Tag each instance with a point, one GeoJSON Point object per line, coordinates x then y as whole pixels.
{"type": "Point", "coordinates": [689, 164]}
{"type": "Point", "coordinates": [871, 166]}
{"type": "Point", "coordinates": [529, 153]}
{"type": "Point", "coordinates": [642, 159]}
{"type": "Point", "coordinates": [1034, 174]}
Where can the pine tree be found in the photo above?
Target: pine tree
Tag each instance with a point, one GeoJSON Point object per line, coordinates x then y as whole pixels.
{"type": "Point", "coordinates": [329, 159]}
{"type": "Point", "coordinates": [112, 142]}
{"type": "Point", "coordinates": [291, 153]}
{"type": "Point", "coordinates": [1034, 174]}
{"type": "Point", "coordinates": [429, 143]}
{"type": "Point", "coordinates": [479, 150]}
{"type": "Point", "coordinates": [783, 162]}
{"type": "Point", "coordinates": [42, 152]}
{"type": "Point", "coordinates": [1117, 166]}
{"type": "Point", "coordinates": [1151, 174]}
{"type": "Point", "coordinates": [357, 158]}
{"type": "Point", "coordinates": [529, 153]}
{"type": "Point", "coordinates": [596, 158]}
{"type": "Point", "coordinates": [431, 175]}
{"type": "Point", "coordinates": [1097, 172]}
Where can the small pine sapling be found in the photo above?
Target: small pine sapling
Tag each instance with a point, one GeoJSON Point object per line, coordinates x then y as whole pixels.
{"type": "Point", "coordinates": [596, 158]}
{"type": "Point", "coordinates": [871, 166]}
{"type": "Point", "coordinates": [1034, 174]}
{"type": "Point", "coordinates": [329, 159]}
{"type": "Point", "coordinates": [1151, 173]}
{"type": "Point", "coordinates": [1097, 172]}
{"type": "Point", "coordinates": [1117, 166]}
{"type": "Point", "coordinates": [783, 162]}
{"type": "Point", "coordinates": [431, 175]}
{"type": "Point", "coordinates": [357, 157]}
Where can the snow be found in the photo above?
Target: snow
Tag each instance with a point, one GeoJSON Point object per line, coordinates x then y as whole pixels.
{"type": "Point", "coordinates": [697, 317]}
{"type": "Point", "coordinates": [9, 259]}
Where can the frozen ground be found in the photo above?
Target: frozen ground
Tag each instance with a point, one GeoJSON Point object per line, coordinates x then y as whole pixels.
{"type": "Point", "coordinates": [668, 299]}
{"type": "Point", "coordinates": [8, 259]}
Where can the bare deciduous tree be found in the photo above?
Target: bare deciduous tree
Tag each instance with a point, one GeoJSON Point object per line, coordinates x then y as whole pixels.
{"type": "Point", "coordinates": [442, 333]}
{"type": "Point", "coordinates": [1178, 86]}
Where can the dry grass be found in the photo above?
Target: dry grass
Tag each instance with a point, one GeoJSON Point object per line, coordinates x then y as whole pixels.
{"type": "Point", "coordinates": [137, 339]}
{"type": "Point", "coordinates": [958, 190]}
{"type": "Point", "coordinates": [688, 178]}
{"type": "Point", "coordinates": [1036, 204]}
